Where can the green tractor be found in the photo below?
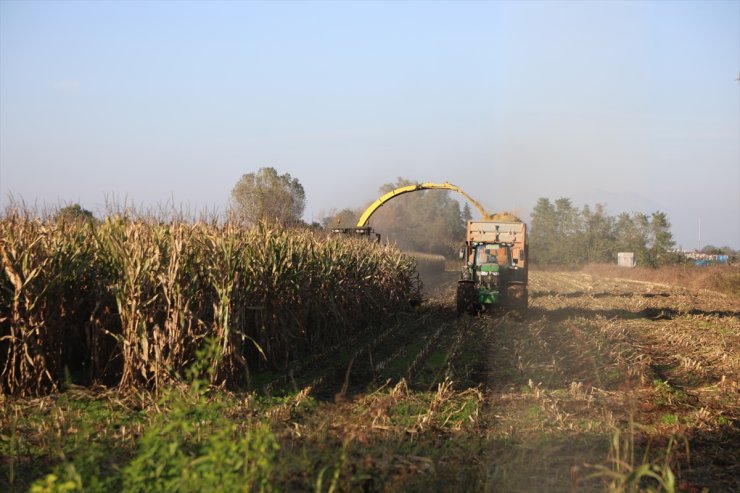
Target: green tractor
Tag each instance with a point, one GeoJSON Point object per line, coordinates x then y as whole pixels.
{"type": "Point", "coordinates": [495, 273]}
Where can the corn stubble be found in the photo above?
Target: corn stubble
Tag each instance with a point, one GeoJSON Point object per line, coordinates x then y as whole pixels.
{"type": "Point", "coordinates": [129, 301]}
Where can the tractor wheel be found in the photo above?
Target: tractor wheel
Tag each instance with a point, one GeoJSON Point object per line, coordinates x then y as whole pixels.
{"type": "Point", "coordinates": [517, 298]}
{"type": "Point", "coordinates": [465, 297]}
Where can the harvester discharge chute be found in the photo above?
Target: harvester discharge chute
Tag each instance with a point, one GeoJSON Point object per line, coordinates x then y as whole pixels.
{"type": "Point", "coordinates": [362, 222]}
{"type": "Point", "coordinates": [362, 229]}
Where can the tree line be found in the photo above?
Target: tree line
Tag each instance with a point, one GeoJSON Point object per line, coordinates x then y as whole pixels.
{"type": "Point", "coordinates": [564, 235]}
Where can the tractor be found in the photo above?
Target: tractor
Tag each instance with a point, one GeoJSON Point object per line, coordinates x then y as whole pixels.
{"type": "Point", "coordinates": [495, 272]}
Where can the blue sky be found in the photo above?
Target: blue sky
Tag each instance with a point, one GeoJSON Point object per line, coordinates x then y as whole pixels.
{"type": "Point", "coordinates": [632, 104]}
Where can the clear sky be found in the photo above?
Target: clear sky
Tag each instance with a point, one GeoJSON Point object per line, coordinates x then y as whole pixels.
{"type": "Point", "coordinates": [632, 104]}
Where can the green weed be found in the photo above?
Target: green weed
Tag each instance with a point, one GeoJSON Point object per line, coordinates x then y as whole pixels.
{"type": "Point", "coordinates": [669, 395]}
{"type": "Point", "coordinates": [626, 474]}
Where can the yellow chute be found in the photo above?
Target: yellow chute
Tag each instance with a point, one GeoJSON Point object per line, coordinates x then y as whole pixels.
{"type": "Point", "coordinates": [412, 188]}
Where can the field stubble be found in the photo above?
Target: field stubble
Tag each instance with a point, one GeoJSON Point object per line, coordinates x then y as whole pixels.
{"type": "Point", "coordinates": [598, 354]}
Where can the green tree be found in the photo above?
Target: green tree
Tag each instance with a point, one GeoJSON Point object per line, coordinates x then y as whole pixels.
{"type": "Point", "coordinates": [714, 250]}
{"type": "Point", "coordinates": [711, 250]}
{"type": "Point", "coordinates": [631, 232]}
{"type": "Point", "coordinates": [599, 234]}
{"type": "Point", "coordinates": [267, 196]}
{"type": "Point", "coordinates": [346, 218]}
{"type": "Point", "coordinates": [543, 232]}
{"type": "Point", "coordinates": [569, 248]}
{"type": "Point", "coordinates": [467, 214]}
{"type": "Point", "coordinates": [661, 239]}
{"type": "Point", "coordinates": [74, 212]}
{"type": "Point", "coordinates": [556, 236]}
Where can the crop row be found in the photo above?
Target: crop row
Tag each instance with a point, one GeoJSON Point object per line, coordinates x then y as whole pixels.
{"type": "Point", "coordinates": [134, 302]}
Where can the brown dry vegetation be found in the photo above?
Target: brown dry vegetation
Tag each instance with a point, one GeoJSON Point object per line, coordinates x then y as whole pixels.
{"type": "Point", "coordinates": [130, 302]}
{"type": "Point", "coordinates": [600, 377]}
{"type": "Point", "coordinates": [600, 354]}
{"type": "Point", "coordinates": [722, 278]}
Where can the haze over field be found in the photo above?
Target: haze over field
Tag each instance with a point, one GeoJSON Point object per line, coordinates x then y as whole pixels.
{"type": "Point", "coordinates": [633, 104]}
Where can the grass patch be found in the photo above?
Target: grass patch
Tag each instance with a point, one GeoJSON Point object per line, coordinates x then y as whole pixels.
{"type": "Point", "coordinates": [667, 395]}
{"type": "Point", "coordinates": [669, 419]}
{"type": "Point", "coordinates": [399, 366]}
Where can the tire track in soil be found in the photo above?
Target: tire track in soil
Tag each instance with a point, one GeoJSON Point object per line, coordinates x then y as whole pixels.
{"type": "Point", "coordinates": [588, 357]}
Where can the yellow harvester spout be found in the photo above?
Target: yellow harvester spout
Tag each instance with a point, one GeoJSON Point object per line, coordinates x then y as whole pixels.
{"type": "Point", "coordinates": [412, 188]}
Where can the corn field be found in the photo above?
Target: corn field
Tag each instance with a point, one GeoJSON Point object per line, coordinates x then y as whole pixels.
{"type": "Point", "coordinates": [129, 301]}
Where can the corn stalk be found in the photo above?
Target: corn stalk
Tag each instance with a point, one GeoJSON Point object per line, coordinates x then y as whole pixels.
{"type": "Point", "coordinates": [130, 301]}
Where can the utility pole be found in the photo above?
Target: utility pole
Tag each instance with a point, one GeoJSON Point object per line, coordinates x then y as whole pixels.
{"type": "Point", "coordinates": [699, 247]}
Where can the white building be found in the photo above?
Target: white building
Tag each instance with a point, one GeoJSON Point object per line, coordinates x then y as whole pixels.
{"type": "Point", "coordinates": [626, 259]}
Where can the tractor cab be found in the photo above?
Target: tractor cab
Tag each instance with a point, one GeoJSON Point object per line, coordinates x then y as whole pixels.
{"type": "Point", "coordinates": [488, 254]}
{"type": "Point", "coordinates": [489, 263]}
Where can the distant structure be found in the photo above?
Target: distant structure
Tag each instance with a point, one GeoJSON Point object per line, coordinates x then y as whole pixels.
{"type": "Point", "coordinates": [626, 259]}
{"type": "Point", "coordinates": [702, 259]}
